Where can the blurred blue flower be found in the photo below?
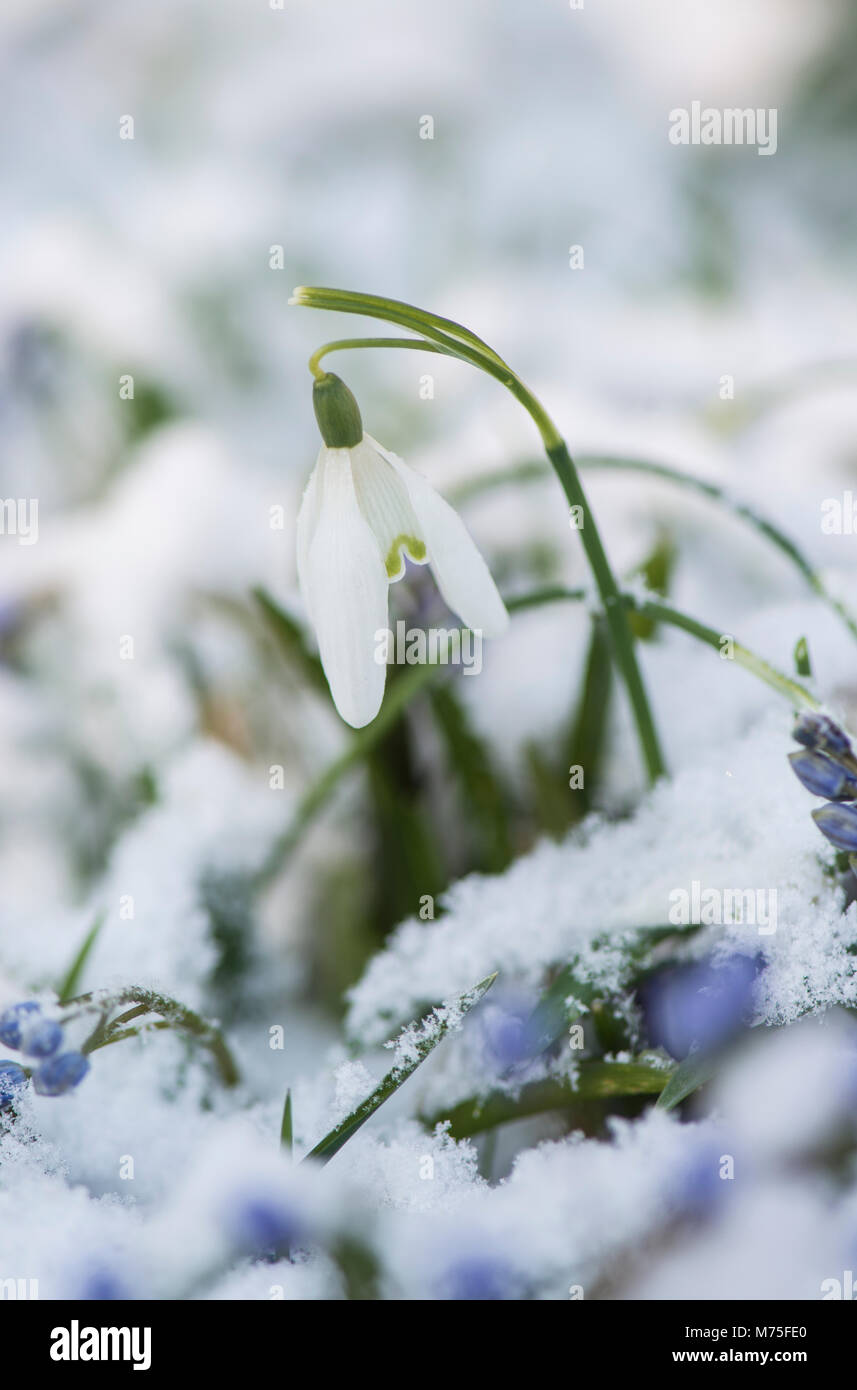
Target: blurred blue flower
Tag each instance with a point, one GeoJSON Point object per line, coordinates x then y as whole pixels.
{"type": "Point", "coordinates": [103, 1285]}
{"type": "Point", "coordinates": [701, 1005]}
{"type": "Point", "coordinates": [699, 1185]}
{"type": "Point", "coordinates": [12, 1078]}
{"type": "Point", "coordinates": [60, 1074]}
{"type": "Point", "coordinates": [839, 824]}
{"type": "Point", "coordinates": [508, 1038]}
{"type": "Point", "coordinates": [11, 1021]}
{"type": "Point", "coordinates": [40, 1038]}
{"type": "Point", "coordinates": [259, 1221]}
{"type": "Point", "coordinates": [479, 1279]}
{"type": "Point", "coordinates": [824, 777]}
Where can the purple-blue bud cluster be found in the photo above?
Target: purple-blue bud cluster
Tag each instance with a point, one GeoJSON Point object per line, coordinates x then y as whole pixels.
{"type": "Point", "coordinates": [820, 733]}
{"type": "Point", "coordinates": [828, 768]}
{"type": "Point", "coordinates": [25, 1028]}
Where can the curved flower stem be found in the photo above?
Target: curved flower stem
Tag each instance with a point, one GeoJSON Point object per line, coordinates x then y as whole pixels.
{"type": "Point", "coordinates": [456, 341]}
{"type": "Point", "coordinates": [171, 1013]}
{"type": "Point", "coordinates": [345, 344]}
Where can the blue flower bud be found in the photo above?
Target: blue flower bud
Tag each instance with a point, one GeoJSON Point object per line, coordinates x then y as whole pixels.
{"type": "Point", "coordinates": [11, 1020]}
{"type": "Point", "coordinates": [262, 1222]}
{"type": "Point", "coordinates": [480, 1279]}
{"type": "Point", "coordinates": [839, 824]}
{"type": "Point", "coordinates": [12, 1078]}
{"type": "Point", "coordinates": [101, 1284]}
{"type": "Point", "coordinates": [60, 1074]}
{"type": "Point", "coordinates": [823, 777]}
{"type": "Point", "coordinates": [700, 1005]}
{"type": "Point", "coordinates": [818, 731]}
{"type": "Point", "coordinates": [41, 1037]}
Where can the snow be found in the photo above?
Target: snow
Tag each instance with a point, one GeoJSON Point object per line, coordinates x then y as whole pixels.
{"type": "Point", "coordinates": [139, 791]}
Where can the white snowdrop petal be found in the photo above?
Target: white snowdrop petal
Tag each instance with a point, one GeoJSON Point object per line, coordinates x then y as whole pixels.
{"type": "Point", "coordinates": [347, 589]}
{"type": "Point", "coordinates": [385, 503]}
{"type": "Point", "coordinates": [307, 522]}
{"type": "Point", "coordinates": [461, 573]}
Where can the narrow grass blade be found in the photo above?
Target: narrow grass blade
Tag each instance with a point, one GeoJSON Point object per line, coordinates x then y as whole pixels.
{"type": "Point", "coordinates": [803, 665]}
{"type": "Point", "coordinates": [587, 737]}
{"type": "Point", "coordinates": [412, 1048]}
{"type": "Point", "coordinates": [798, 695]}
{"type": "Point", "coordinates": [592, 1081]}
{"type": "Point", "coordinates": [692, 1073]}
{"type": "Point", "coordinates": [290, 638]}
{"type": "Point", "coordinates": [470, 762]}
{"type": "Point", "coordinates": [286, 1134]}
{"type": "Point", "coordinates": [553, 1013]}
{"type": "Point", "coordinates": [68, 988]}
{"type": "Point", "coordinates": [532, 471]}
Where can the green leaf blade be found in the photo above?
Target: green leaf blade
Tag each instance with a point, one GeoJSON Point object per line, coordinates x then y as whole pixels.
{"type": "Point", "coordinates": [414, 1047]}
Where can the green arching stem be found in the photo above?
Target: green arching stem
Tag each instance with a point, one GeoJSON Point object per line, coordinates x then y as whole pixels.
{"type": "Point", "coordinates": [345, 344]}
{"type": "Point", "coordinates": [172, 1015]}
{"type": "Point", "coordinates": [614, 610]}
{"type": "Point", "coordinates": [394, 311]}
{"type": "Point", "coordinates": [456, 341]}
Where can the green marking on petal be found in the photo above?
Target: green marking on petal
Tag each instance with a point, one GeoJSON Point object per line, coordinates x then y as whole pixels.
{"type": "Point", "coordinates": [414, 548]}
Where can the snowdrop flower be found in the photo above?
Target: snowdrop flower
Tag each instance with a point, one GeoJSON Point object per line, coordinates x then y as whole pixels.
{"type": "Point", "coordinates": [363, 511]}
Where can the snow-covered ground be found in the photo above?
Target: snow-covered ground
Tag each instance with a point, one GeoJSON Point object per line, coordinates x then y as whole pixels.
{"type": "Point", "coordinates": [162, 741]}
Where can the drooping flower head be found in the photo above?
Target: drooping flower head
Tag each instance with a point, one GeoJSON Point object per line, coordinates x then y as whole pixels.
{"type": "Point", "coordinates": [363, 512]}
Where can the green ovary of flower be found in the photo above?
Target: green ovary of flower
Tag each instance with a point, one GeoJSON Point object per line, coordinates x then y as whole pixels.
{"type": "Point", "coordinates": [404, 545]}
